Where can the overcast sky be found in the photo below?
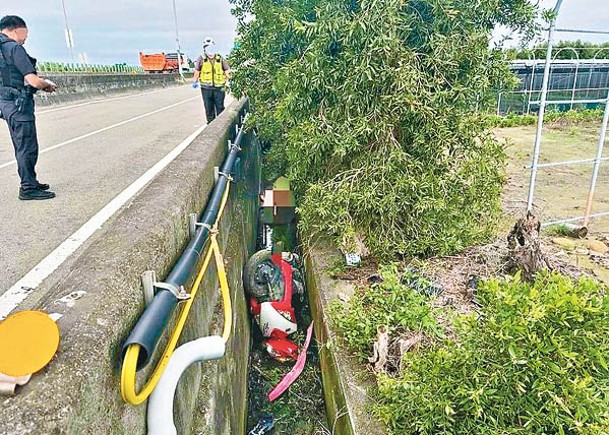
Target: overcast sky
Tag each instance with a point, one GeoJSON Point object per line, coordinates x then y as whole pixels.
{"type": "Point", "coordinates": [115, 31]}
{"type": "Point", "coordinates": [580, 14]}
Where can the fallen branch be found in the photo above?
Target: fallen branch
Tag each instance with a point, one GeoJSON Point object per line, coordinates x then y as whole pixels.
{"type": "Point", "coordinates": [381, 349]}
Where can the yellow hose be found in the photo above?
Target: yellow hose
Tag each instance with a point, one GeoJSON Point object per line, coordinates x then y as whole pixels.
{"type": "Point", "coordinates": [128, 371]}
{"type": "Point", "coordinates": [226, 302]}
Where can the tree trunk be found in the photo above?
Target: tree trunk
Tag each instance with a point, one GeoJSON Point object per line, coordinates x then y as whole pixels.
{"type": "Point", "coordinates": [525, 254]}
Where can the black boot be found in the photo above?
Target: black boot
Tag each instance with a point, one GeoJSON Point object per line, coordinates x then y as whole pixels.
{"type": "Point", "coordinates": [35, 194]}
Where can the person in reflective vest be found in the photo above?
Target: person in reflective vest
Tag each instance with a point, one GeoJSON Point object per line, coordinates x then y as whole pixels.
{"type": "Point", "coordinates": [19, 82]}
{"type": "Point", "coordinates": [212, 74]}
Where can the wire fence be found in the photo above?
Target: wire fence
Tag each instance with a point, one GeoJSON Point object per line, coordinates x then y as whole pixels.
{"type": "Point", "coordinates": [562, 76]}
{"type": "Point", "coordinates": [56, 67]}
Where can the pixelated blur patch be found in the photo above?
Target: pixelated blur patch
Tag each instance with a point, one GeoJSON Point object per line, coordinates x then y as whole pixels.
{"type": "Point", "coordinates": [28, 342]}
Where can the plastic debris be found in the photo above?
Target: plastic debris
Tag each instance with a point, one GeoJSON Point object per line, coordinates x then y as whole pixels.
{"type": "Point", "coordinates": [472, 288]}
{"type": "Point", "coordinates": [353, 259]}
{"type": "Point", "coordinates": [8, 384]}
{"type": "Point", "coordinates": [281, 349]}
{"type": "Point", "coordinates": [293, 374]}
{"type": "Point", "coordinates": [375, 278]}
{"type": "Point", "coordinates": [265, 424]}
{"type": "Point", "coordinates": [70, 300]}
{"type": "Point", "coordinates": [424, 286]}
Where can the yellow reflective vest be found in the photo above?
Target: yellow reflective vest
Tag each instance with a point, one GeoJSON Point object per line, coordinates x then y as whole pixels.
{"type": "Point", "coordinates": [212, 73]}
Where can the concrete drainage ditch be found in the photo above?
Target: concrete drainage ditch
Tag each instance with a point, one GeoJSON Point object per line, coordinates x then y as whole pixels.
{"type": "Point", "coordinates": [285, 379]}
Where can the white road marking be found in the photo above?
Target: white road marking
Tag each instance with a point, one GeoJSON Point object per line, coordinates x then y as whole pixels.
{"type": "Point", "coordinates": [26, 285]}
{"type": "Point", "coordinates": [98, 101]}
{"type": "Point", "coordinates": [101, 130]}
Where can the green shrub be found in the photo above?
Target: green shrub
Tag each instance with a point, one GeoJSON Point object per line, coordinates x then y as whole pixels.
{"type": "Point", "coordinates": [512, 120]}
{"type": "Point", "coordinates": [558, 230]}
{"type": "Point", "coordinates": [573, 116]}
{"type": "Point", "coordinates": [535, 362]}
{"type": "Point", "coordinates": [389, 303]}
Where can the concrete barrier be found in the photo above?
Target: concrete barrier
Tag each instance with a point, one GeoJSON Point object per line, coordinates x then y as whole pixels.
{"type": "Point", "coordinates": [78, 392]}
{"type": "Point", "coordinates": [75, 87]}
{"type": "Point", "coordinates": [345, 380]}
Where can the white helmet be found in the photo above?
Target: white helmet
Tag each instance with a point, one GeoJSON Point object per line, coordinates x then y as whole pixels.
{"type": "Point", "coordinates": [208, 42]}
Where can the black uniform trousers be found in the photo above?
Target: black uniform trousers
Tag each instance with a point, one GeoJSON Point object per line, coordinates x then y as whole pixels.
{"type": "Point", "coordinates": [213, 100]}
{"type": "Point", "coordinates": [22, 128]}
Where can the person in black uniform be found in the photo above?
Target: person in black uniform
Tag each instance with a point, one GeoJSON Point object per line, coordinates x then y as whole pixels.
{"type": "Point", "coordinates": [18, 84]}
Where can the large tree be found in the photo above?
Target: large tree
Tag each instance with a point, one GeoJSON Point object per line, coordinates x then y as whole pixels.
{"type": "Point", "coordinates": [371, 110]}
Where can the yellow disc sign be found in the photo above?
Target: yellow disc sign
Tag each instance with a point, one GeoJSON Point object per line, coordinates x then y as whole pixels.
{"type": "Point", "coordinates": [28, 341]}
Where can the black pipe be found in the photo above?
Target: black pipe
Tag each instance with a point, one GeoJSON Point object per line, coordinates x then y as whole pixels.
{"type": "Point", "coordinates": [149, 327]}
{"type": "Point", "coordinates": [184, 267]}
{"type": "Point", "coordinates": [155, 317]}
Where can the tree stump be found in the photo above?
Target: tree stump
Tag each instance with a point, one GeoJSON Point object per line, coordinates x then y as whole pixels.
{"type": "Point", "coordinates": [524, 248]}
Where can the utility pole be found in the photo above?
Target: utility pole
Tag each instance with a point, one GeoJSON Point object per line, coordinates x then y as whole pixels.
{"type": "Point", "coordinates": [69, 37]}
{"type": "Point", "coordinates": [175, 17]}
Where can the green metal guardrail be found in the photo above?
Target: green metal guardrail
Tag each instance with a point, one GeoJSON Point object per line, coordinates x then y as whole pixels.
{"type": "Point", "coordinates": [57, 67]}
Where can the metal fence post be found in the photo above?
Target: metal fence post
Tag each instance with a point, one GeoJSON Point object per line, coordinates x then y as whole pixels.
{"type": "Point", "coordinates": [542, 107]}
{"type": "Point", "coordinates": [597, 163]}
{"type": "Point", "coordinates": [532, 84]}
{"type": "Point", "coordinates": [499, 104]}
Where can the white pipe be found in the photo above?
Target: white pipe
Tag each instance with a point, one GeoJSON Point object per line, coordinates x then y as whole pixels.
{"type": "Point", "coordinates": [160, 404]}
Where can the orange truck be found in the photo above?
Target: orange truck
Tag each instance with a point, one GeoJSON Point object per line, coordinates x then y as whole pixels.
{"type": "Point", "coordinates": [159, 62]}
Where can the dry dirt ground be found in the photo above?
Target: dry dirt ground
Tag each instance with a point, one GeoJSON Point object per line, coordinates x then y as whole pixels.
{"type": "Point", "coordinates": [561, 192]}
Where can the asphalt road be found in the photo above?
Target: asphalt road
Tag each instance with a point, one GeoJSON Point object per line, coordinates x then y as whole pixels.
{"type": "Point", "coordinates": [90, 152]}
